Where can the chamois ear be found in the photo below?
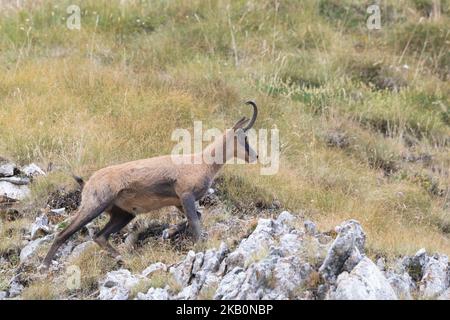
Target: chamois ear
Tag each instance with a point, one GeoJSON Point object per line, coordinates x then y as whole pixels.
{"type": "Point", "coordinates": [240, 123]}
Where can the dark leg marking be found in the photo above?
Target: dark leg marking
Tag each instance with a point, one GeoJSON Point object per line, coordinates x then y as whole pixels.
{"type": "Point", "coordinates": [119, 219]}
{"type": "Point", "coordinates": [180, 228]}
{"type": "Point", "coordinates": [188, 202]}
{"type": "Point", "coordinates": [199, 214]}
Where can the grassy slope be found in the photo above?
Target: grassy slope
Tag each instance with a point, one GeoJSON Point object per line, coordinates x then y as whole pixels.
{"type": "Point", "coordinates": [115, 90]}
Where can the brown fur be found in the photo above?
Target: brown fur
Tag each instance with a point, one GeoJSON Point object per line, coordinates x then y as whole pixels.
{"type": "Point", "coordinates": [141, 186]}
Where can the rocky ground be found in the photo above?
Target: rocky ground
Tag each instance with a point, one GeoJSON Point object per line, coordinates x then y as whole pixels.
{"type": "Point", "coordinates": [280, 261]}
{"type": "Point", "coordinates": [283, 256]}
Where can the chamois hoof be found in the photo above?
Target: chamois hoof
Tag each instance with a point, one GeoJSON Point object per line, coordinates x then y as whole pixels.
{"type": "Point", "coordinates": [169, 233]}
{"type": "Point", "coordinates": [173, 231]}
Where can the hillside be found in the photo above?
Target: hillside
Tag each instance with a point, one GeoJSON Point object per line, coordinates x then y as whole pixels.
{"type": "Point", "coordinates": [363, 115]}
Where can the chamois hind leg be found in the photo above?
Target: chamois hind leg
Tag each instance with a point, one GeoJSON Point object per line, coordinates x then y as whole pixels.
{"type": "Point", "coordinates": [119, 219]}
{"type": "Point", "coordinates": [83, 217]}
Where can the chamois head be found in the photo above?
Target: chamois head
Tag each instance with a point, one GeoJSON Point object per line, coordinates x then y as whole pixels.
{"type": "Point", "coordinates": [234, 142]}
{"type": "Point", "coordinates": [240, 146]}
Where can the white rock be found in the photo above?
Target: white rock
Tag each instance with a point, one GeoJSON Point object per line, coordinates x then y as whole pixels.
{"type": "Point", "coordinates": [3, 295]}
{"type": "Point", "coordinates": [277, 272]}
{"type": "Point", "coordinates": [260, 239]}
{"type": "Point", "coordinates": [198, 262]}
{"type": "Point", "coordinates": [421, 252]}
{"type": "Point", "coordinates": [345, 252]}
{"type": "Point", "coordinates": [15, 288]}
{"type": "Point", "coordinates": [30, 249]}
{"type": "Point", "coordinates": [364, 282]}
{"type": "Point", "coordinates": [65, 250]}
{"type": "Point", "coordinates": [381, 264]}
{"type": "Point", "coordinates": [7, 169]}
{"type": "Point", "coordinates": [198, 273]}
{"type": "Point", "coordinates": [230, 285]}
{"type": "Point", "coordinates": [257, 277]}
{"type": "Point", "coordinates": [289, 274]}
{"type": "Point", "coordinates": [117, 285]}
{"type": "Point", "coordinates": [14, 191]}
{"type": "Point", "coordinates": [92, 229]}
{"type": "Point", "coordinates": [435, 278]}
{"type": "Point", "coordinates": [414, 265]}
{"type": "Point", "coordinates": [58, 211]}
{"type": "Point", "coordinates": [154, 294]}
{"type": "Point", "coordinates": [402, 284]}
{"type": "Point", "coordinates": [32, 170]}
{"type": "Point", "coordinates": [187, 293]}
{"type": "Point", "coordinates": [40, 227]}
{"type": "Point", "coordinates": [445, 295]}
{"type": "Point", "coordinates": [159, 266]}
{"type": "Point", "coordinates": [285, 217]}
{"type": "Point", "coordinates": [354, 258]}
{"type": "Point", "coordinates": [274, 277]}
{"type": "Point", "coordinates": [310, 227]}
{"type": "Point", "coordinates": [18, 181]}
{"type": "Point", "coordinates": [182, 271]}
{"type": "Point", "coordinates": [209, 285]}
{"type": "Point", "coordinates": [214, 258]}
{"type": "Point", "coordinates": [290, 243]}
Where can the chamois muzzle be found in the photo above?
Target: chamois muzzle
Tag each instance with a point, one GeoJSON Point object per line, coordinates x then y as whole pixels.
{"type": "Point", "coordinates": [255, 114]}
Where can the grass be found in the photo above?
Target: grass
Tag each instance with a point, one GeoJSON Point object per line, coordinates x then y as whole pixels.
{"type": "Point", "coordinates": [114, 91]}
{"type": "Point", "coordinates": [151, 252]}
{"type": "Point", "coordinates": [93, 264]}
{"type": "Point", "coordinates": [11, 234]}
{"type": "Point", "coordinates": [257, 256]}
{"type": "Point", "coordinates": [159, 279]}
{"type": "Point", "coordinates": [42, 290]}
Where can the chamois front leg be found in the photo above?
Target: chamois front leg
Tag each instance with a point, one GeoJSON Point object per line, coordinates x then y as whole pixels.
{"type": "Point", "coordinates": [193, 221]}
{"type": "Point", "coordinates": [199, 214]}
{"type": "Point", "coordinates": [180, 228]}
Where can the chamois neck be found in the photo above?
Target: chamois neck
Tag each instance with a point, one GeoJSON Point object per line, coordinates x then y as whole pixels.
{"type": "Point", "coordinates": [210, 153]}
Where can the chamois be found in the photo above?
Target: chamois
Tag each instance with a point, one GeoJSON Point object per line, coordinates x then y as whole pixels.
{"type": "Point", "coordinates": [136, 187]}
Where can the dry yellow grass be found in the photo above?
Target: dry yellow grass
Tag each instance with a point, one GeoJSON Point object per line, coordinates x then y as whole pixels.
{"type": "Point", "coordinates": [93, 264]}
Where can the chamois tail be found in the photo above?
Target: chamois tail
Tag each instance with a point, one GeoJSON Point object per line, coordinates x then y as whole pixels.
{"type": "Point", "coordinates": [79, 180]}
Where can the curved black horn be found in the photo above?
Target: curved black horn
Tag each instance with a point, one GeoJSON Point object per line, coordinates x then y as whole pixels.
{"type": "Point", "coordinates": [255, 114]}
